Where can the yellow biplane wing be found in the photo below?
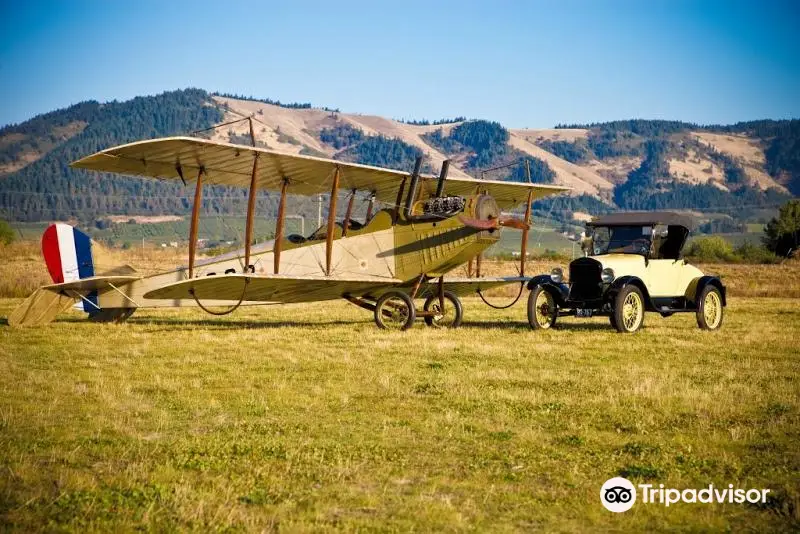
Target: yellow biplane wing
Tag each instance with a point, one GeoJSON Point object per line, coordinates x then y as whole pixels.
{"type": "Point", "coordinates": [227, 164]}
{"type": "Point", "coordinates": [282, 288]}
{"type": "Point", "coordinates": [275, 288]}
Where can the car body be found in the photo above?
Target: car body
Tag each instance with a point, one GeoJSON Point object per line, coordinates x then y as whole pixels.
{"type": "Point", "coordinates": [634, 266]}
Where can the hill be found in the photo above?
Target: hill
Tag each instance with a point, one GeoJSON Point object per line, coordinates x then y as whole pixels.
{"type": "Point", "coordinates": [736, 170]}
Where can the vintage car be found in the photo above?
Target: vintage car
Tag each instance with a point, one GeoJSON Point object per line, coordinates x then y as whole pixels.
{"type": "Point", "coordinates": [634, 265]}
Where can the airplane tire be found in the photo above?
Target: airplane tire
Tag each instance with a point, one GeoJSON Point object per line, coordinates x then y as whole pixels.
{"type": "Point", "coordinates": [111, 315]}
{"type": "Point", "coordinates": [395, 310]}
{"type": "Point", "coordinates": [453, 311]}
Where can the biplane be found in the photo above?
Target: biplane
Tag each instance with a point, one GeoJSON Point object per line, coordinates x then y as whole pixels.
{"type": "Point", "coordinates": [417, 229]}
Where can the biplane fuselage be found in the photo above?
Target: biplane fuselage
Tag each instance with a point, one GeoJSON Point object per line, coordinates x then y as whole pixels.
{"type": "Point", "coordinates": [380, 249]}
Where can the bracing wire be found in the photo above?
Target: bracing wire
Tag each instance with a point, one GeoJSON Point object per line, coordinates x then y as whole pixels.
{"type": "Point", "coordinates": [521, 288]}
{"type": "Point", "coordinates": [225, 312]}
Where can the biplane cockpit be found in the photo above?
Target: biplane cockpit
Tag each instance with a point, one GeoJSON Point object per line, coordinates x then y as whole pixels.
{"type": "Point", "coordinates": [417, 228]}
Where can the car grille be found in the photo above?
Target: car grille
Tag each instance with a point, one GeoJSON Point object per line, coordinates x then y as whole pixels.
{"type": "Point", "coordinates": [584, 279]}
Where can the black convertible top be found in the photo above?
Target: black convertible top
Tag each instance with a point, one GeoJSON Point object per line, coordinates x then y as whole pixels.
{"type": "Point", "coordinates": [643, 218]}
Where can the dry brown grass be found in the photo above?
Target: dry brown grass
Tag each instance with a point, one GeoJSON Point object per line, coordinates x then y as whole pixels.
{"type": "Point", "coordinates": [22, 270]}
{"type": "Point", "coordinates": [741, 280]}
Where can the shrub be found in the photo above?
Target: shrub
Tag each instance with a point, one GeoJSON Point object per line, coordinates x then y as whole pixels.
{"type": "Point", "coordinates": [750, 253]}
{"type": "Point", "coordinates": [782, 234]}
{"type": "Point", "coordinates": [711, 249]}
{"type": "Point", "coordinates": [7, 234]}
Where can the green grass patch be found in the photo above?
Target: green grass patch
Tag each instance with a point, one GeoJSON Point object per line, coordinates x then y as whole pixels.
{"type": "Point", "coordinates": [309, 418]}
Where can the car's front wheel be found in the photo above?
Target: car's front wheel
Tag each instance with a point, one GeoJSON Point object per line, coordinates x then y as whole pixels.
{"type": "Point", "coordinates": [542, 309]}
{"type": "Point", "coordinates": [628, 313]}
{"type": "Point", "coordinates": [709, 309]}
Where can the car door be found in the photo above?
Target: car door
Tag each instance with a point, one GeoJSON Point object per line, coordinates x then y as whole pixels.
{"type": "Point", "coordinates": [663, 268]}
{"type": "Point", "coordinates": [663, 277]}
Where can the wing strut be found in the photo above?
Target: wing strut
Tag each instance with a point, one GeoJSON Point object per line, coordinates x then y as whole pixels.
{"type": "Point", "coordinates": [398, 200]}
{"type": "Point", "coordinates": [524, 246]}
{"type": "Point", "coordinates": [331, 221]}
{"type": "Point", "coordinates": [276, 255]}
{"type": "Point", "coordinates": [348, 213]}
{"type": "Point", "coordinates": [198, 199]}
{"type": "Point", "coordinates": [370, 207]}
{"type": "Point", "coordinates": [251, 206]}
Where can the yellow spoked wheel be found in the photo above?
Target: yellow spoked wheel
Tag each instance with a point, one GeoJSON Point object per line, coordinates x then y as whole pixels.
{"type": "Point", "coordinates": [542, 309]}
{"type": "Point", "coordinates": [709, 309]}
{"type": "Point", "coordinates": [628, 310]}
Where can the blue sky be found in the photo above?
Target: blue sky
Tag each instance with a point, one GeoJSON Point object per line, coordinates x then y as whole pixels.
{"type": "Point", "coordinates": [525, 64]}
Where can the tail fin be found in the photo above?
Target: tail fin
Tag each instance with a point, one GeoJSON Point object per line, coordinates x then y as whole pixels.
{"type": "Point", "coordinates": [68, 254]}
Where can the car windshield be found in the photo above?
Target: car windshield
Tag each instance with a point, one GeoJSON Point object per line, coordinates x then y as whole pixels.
{"type": "Point", "coordinates": [621, 239]}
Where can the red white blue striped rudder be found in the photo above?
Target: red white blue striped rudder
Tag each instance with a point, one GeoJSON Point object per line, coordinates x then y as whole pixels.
{"type": "Point", "coordinates": [68, 254]}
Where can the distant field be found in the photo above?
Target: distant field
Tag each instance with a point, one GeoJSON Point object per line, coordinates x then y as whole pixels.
{"type": "Point", "coordinates": [544, 238]}
{"type": "Point", "coordinates": [213, 228]}
{"type": "Point", "coordinates": [308, 418]}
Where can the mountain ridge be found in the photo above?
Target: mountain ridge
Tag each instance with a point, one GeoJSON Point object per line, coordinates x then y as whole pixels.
{"type": "Point", "coordinates": [753, 162]}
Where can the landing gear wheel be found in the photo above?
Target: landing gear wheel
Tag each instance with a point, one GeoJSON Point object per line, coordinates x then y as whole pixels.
{"type": "Point", "coordinates": [709, 309]}
{"type": "Point", "coordinates": [542, 309]}
{"type": "Point", "coordinates": [395, 311]}
{"type": "Point", "coordinates": [628, 313]}
{"type": "Point", "coordinates": [111, 315]}
{"type": "Point", "coordinates": [449, 317]}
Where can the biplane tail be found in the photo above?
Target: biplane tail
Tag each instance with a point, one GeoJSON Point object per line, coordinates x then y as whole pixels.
{"type": "Point", "coordinates": [70, 256]}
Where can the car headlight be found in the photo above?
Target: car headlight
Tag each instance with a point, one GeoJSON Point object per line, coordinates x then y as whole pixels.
{"type": "Point", "coordinates": [557, 275]}
{"type": "Point", "coordinates": [607, 276]}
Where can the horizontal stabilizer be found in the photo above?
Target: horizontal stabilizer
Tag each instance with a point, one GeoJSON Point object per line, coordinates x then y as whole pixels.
{"type": "Point", "coordinates": [95, 283]}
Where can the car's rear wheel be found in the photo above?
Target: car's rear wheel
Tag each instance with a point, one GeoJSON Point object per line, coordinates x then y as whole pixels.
{"type": "Point", "coordinates": [709, 309]}
{"type": "Point", "coordinates": [542, 309]}
{"type": "Point", "coordinates": [628, 310]}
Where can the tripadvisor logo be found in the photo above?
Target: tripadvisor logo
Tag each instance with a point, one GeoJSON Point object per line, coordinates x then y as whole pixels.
{"type": "Point", "coordinates": [619, 494]}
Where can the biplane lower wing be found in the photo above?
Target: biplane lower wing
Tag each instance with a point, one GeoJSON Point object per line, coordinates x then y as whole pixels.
{"type": "Point", "coordinates": [272, 288]}
{"type": "Point", "coordinates": [235, 287]}
{"type": "Point", "coordinates": [470, 286]}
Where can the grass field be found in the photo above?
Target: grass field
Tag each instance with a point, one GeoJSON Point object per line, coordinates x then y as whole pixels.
{"type": "Point", "coordinates": [307, 417]}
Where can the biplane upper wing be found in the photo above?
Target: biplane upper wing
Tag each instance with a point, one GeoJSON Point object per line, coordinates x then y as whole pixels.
{"type": "Point", "coordinates": [227, 164]}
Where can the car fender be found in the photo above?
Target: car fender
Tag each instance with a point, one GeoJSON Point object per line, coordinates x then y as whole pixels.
{"type": "Point", "coordinates": [618, 284]}
{"type": "Point", "coordinates": [697, 286]}
{"type": "Point", "coordinates": [559, 291]}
